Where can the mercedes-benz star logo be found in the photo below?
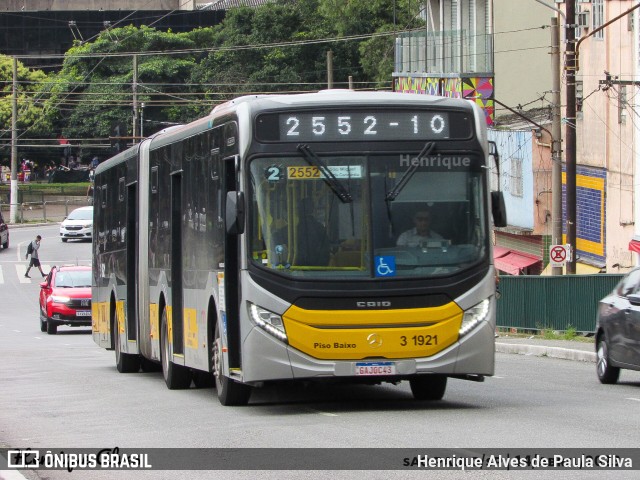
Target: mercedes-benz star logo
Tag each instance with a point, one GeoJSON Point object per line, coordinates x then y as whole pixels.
{"type": "Point", "coordinates": [374, 340]}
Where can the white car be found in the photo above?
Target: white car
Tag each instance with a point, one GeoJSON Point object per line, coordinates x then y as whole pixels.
{"type": "Point", "coordinates": [79, 224]}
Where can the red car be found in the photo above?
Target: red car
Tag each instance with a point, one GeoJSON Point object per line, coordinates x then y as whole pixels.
{"type": "Point", "coordinates": [65, 298]}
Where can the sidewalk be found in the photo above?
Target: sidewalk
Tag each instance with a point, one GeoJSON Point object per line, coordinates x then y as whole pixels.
{"type": "Point", "coordinates": [541, 347]}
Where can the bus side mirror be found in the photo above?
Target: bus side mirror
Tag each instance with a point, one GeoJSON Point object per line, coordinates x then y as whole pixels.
{"type": "Point", "coordinates": [498, 209]}
{"type": "Point", "coordinates": [234, 213]}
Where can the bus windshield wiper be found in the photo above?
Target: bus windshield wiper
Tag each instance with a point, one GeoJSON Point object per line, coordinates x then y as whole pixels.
{"type": "Point", "coordinates": [327, 175]}
{"type": "Point", "coordinates": [395, 191]}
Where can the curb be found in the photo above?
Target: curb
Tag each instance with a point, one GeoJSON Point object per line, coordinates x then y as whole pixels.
{"type": "Point", "coordinates": [542, 351]}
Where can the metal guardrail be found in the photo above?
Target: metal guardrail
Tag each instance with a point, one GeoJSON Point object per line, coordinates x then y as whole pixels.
{"type": "Point", "coordinates": [45, 211]}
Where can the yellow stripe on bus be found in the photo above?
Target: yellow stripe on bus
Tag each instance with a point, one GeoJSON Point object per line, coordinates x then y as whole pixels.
{"type": "Point", "coordinates": [370, 334]}
{"type": "Point", "coordinates": [100, 317]}
{"type": "Point", "coordinates": [191, 328]}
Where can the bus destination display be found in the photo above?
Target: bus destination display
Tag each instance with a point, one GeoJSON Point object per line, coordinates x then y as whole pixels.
{"type": "Point", "coordinates": [336, 126]}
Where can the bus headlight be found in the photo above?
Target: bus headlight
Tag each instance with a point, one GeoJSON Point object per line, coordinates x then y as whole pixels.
{"type": "Point", "coordinates": [270, 322]}
{"type": "Point", "coordinates": [474, 316]}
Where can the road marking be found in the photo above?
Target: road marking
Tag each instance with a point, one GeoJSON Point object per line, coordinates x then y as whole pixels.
{"type": "Point", "coordinates": [21, 269]}
{"type": "Point", "coordinates": [634, 399]}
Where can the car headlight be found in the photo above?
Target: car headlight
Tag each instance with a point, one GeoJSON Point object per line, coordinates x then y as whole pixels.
{"type": "Point", "coordinates": [474, 316]}
{"type": "Point", "coordinates": [88, 225]}
{"type": "Point", "coordinates": [270, 322]}
{"type": "Point", "coordinates": [59, 299]}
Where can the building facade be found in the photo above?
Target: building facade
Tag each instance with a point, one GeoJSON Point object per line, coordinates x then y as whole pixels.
{"type": "Point", "coordinates": [608, 212]}
{"type": "Point", "coordinates": [452, 56]}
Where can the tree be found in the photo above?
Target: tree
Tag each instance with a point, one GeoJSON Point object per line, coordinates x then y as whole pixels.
{"type": "Point", "coordinates": [278, 47]}
{"type": "Point", "coordinates": [32, 91]}
{"type": "Point", "coordinates": [94, 89]}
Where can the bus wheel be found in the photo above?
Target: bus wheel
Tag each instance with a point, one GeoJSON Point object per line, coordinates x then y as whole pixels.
{"type": "Point", "coordinates": [175, 376]}
{"type": "Point", "coordinates": [125, 362]}
{"type": "Point", "coordinates": [203, 379]}
{"type": "Point", "coordinates": [428, 387]}
{"type": "Point", "coordinates": [149, 366]}
{"type": "Point", "coordinates": [230, 392]}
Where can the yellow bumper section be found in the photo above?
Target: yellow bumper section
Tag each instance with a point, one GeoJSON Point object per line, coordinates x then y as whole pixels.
{"type": "Point", "coordinates": [371, 334]}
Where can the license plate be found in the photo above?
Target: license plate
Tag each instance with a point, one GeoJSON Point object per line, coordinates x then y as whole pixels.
{"type": "Point", "coordinates": [375, 368]}
{"type": "Point", "coordinates": [83, 313]}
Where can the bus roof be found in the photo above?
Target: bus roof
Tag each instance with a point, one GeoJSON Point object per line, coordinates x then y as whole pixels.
{"type": "Point", "coordinates": [250, 104]}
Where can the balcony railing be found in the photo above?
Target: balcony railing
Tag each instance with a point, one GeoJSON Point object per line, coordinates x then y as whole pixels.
{"type": "Point", "coordinates": [439, 53]}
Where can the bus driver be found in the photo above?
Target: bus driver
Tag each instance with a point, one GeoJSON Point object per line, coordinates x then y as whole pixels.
{"type": "Point", "coordinates": [414, 237]}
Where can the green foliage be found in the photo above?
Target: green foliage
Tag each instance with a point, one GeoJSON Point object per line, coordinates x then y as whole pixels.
{"type": "Point", "coordinates": [570, 333]}
{"type": "Point", "coordinates": [273, 48]}
{"type": "Point", "coordinates": [32, 88]}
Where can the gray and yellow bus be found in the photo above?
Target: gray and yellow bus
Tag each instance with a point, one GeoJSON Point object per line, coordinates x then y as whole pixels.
{"type": "Point", "coordinates": [330, 236]}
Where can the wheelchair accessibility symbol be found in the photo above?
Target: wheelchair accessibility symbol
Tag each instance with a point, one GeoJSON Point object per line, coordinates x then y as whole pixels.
{"type": "Point", "coordinates": [385, 266]}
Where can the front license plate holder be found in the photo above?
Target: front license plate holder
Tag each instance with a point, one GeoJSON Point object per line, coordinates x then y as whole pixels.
{"type": "Point", "coordinates": [83, 313]}
{"type": "Point", "coordinates": [374, 369]}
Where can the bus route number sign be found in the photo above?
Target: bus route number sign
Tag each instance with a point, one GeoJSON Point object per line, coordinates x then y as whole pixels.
{"type": "Point", "coordinates": [364, 125]}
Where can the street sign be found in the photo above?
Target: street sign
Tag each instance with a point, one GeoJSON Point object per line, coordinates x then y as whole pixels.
{"type": "Point", "coordinates": [558, 255]}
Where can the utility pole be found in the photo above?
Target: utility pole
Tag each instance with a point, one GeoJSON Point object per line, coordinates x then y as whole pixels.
{"type": "Point", "coordinates": [556, 145]}
{"type": "Point", "coordinates": [570, 135]}
{"type": "Point", "coordinates": [330, 69]}
{"type": "Point", "coordinates": [135, 96]}
{"type": "Point", "coordinates": [13, 196]}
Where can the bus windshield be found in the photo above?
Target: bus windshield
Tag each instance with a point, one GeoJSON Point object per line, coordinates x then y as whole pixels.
{"type": "Point", "coordinates": [432, 224]}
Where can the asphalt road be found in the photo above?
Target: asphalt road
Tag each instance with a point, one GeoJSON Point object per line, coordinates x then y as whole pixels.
{"type": "Point", "coordinates": [63, 391]}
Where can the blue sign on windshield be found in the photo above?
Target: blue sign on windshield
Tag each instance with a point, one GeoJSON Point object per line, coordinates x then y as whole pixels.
{"type": "Point", "coordinates": [385, 266]}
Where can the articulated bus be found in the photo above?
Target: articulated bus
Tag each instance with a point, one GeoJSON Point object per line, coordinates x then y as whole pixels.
{"type": "Point", "coordinates": [334, 236]}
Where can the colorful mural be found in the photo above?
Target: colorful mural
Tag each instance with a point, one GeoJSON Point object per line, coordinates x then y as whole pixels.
{"type": "Point", "coordinates": [411, 85]}
{"type": "Point", "coordinates": [478, 89]}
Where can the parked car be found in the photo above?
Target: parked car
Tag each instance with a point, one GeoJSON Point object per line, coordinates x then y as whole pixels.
{"type": "Point", "coordinates": [65, 298]}
{"type": "Point", "coordinates": [618, 329]}
{"type": "Point", "coordinates": [79, 224]}
{"type": "Point", "coordinates": [4, 233]}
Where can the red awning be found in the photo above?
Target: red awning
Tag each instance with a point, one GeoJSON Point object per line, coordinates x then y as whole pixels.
{"type": "Point", "coordinates": [500, 251]}
{"type": "Point", "coordinates": [634, 245]}
{"type": "Point", "coordinates": [512, 263]}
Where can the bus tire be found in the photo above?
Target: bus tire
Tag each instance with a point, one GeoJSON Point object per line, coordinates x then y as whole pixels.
{"type": "Point", "coordinates": [203, 379]}
{"type": "Point", "coordinates": [229, 391]}
{"type": "Point", "coordinates": [125, 362]}
{"type": "Point", "coordinates": [176, 376]}
{"type": "Point", "coordinates": [149, 366]}
{"type": "Point", "coordinates": [428, 387]}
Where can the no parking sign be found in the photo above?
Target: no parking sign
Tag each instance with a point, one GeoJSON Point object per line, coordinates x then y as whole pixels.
{"type": "Point", "coordinates": [558, 255]}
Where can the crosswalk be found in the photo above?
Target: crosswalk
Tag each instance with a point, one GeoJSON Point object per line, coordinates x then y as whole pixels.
{"type": "Point", "coordinates": [19, 270]}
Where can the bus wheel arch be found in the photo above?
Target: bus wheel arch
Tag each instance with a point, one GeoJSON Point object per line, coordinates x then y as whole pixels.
{"type": "Point", "coordinates": [175, 376]}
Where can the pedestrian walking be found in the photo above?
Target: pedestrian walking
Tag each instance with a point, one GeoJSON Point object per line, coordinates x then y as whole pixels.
{"type": "Point", "coordinates": [32, 250]}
